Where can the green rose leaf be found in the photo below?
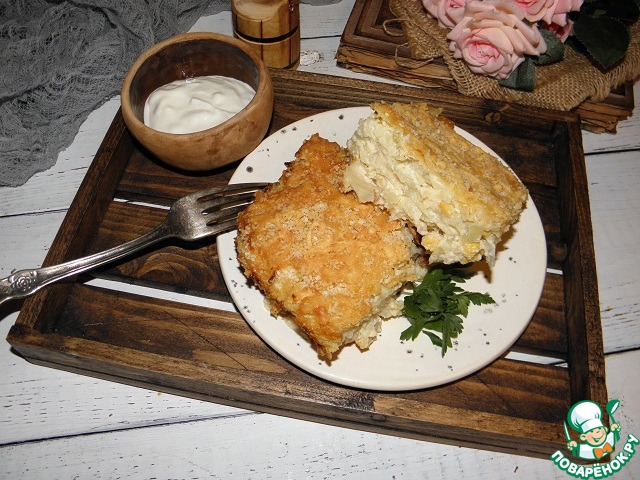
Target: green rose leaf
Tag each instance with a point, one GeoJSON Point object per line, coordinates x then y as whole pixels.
{"type": "Point", "coordinates": [555, 48]}
{"type": "Point", "coordinates": [624, 10]}
{"type": "Point", "coordinates": [606, 39]}
{"type": "Point", "coordinates": [522, 78]}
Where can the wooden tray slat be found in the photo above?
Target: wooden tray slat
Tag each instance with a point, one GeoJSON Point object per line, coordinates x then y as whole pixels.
{"type": "Point", "coordinates": [146, 180]}
{"type": "Point", "coordinates": [205, 353]}
{"type": "Point", "coordinates": [193, 268]}
{"type": "Point", "coordinates": [185, 267]}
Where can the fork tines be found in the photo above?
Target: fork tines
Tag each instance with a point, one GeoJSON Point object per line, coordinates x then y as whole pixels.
{"type": "Point", "coordinates": [223, 204]}
{"type": "Point", "coordinates": [229, 191]}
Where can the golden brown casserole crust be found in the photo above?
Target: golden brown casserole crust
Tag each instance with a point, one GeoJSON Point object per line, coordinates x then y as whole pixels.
{"type": "Point", "coordinates": [331, 262]}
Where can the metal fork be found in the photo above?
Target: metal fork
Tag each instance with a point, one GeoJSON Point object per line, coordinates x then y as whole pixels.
{"type": "Point", "coordinates": [192, 217]}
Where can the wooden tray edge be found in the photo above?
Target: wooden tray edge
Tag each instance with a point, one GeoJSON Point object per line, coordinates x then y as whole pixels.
{"type": "Point", "coordinates": [32, 346]}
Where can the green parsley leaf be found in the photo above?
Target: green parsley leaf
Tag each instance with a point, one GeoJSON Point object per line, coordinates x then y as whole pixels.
{"type": "Point", "coordinates": [437, 305]}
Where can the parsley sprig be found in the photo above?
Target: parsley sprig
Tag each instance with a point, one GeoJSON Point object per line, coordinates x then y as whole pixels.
{"type": "Point", "coordinates": [437, 305]}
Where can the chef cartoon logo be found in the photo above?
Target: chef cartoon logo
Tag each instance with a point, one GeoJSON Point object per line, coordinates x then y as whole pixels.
{"type": "Point", "coordinates": [598, 441]}
{"type": "Point", "coordinates": [595, 442]}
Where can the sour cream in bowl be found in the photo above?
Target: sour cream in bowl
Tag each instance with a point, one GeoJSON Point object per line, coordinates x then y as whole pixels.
{"type": "Point", "coordinates": [196, 104]}
{"type": "Point", "coordinates": [214, 101]}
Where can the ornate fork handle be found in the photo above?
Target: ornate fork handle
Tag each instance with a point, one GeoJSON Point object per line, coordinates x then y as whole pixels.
{"type": "Point", "coordinates": [26, 282]}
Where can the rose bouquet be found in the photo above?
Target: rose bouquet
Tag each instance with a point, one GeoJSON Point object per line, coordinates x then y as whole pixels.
{"type": "Point", "coordinates": [506, 39]}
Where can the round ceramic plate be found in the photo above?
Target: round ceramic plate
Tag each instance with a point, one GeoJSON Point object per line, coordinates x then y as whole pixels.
{"type": "Point", "coordinates": [515, 283]}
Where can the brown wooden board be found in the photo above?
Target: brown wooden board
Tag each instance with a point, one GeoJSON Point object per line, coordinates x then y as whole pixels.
{"type": "Point", "coordinates": [511, 405]}
{"type": "Point", "coordinates": [372, 42]}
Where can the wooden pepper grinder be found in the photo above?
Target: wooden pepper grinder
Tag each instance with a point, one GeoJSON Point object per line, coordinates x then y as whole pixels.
{"type": "Point", "coordinates": [271, 27]}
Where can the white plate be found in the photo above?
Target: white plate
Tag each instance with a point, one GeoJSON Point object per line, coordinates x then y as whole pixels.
{"type": "Point", "coordinates": [515, 283]}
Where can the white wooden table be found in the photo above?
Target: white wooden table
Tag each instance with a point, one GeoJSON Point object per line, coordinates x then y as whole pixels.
{"type": "Point", "coordinates": [55, 424]}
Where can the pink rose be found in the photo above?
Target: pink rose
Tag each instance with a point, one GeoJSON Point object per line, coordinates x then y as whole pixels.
{"type": "Point", "coordinates": [561, 31]}
{"type": "Point", "coordinates": [493, 39]}
{"type": "Point", "coordinates": [535, 10]}
{"type": "Point", "coordinates": [559, 19]}
{"type": "Point", "coordinates": [447, 12]}
{"type": "Point", "coordinates": [566, 6]}
{"type": "Point", "coordinates": [558, 12]}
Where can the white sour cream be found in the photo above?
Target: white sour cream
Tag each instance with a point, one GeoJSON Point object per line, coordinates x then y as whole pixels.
{"type": "Point", "coordinates": [195, 104]}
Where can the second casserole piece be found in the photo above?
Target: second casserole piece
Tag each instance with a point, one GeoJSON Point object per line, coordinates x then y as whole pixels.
{"type": "Point", "coordinates": [460, 198]}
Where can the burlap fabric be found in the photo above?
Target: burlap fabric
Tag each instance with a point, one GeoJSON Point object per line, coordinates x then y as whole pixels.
{"type": "Point", "coordinates": [561, 86]}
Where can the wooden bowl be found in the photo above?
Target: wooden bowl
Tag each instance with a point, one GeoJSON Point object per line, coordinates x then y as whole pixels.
{"type": "Point", "coordinates": [193, 55]}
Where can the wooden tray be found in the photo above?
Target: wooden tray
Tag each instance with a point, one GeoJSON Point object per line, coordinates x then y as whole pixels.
{"type": "Point", "coordinates": [368, 45]}
{"type": "Point", "coordinates": [511, 405]}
